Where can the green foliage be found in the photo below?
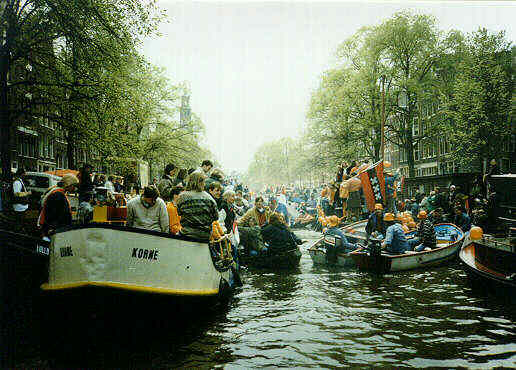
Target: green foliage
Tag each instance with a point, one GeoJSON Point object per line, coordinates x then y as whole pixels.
{"type": "Point", "coordinates": [479, 105]}
{"type": "Point", "coordinates": [85, 74]}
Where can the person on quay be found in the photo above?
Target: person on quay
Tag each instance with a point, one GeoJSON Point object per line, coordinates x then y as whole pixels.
{"type": "Point", "coordinates": [425, 234]}
{"type": "Point", "coordinates": [375, 224]}
{"type": "Point", "coordinates": [197, 209]}
{"type": "Point", "coordinates": [173, 217]}
{"type": "Point", "coordinates": [395, 241]}
{"type": "Point", "coordinates": [344, 246]}
{"type": "Point", "coordinates": [167, 181]}
{"type": "Point", "coordinates": [148, 211]}
{"type": "Point", "coordinates": [20, 197]}
{"type": "Point", "coordinates": [86, 184]}
{"type": "Point", "coordinates": [56, 210]}
{"type": "Point", "coordinates": [256, 216]}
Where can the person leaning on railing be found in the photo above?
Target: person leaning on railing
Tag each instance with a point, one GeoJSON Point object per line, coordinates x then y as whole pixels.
{"type": "Point", "coordinates": [148, 211]}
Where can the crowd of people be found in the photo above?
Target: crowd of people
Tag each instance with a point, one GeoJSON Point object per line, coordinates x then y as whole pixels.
{"type": "Point", "coordinates": [188, 202]}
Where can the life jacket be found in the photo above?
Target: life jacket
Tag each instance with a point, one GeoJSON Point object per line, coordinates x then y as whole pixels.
{"type": "Point", "coordinates": [42, 215]}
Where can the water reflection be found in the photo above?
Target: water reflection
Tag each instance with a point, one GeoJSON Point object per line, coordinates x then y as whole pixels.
{"type": "Point", "coordinates": [321, 317]}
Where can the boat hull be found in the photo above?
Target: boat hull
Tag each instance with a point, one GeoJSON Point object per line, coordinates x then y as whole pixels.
{"type": "Point", "coordinates": [285, 260]}
{"type": "Point", "coordinates": [449, 240]}
{"type": "Point", "coordinates": [489, 267]}
{"type": "Point", "coordinates": [107, 256]}
{"type": "Point", "coordinates": [318, 256]}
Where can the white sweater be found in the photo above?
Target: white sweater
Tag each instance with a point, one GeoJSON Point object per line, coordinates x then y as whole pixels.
{"type": "Point", "coordinates": [153, 218]}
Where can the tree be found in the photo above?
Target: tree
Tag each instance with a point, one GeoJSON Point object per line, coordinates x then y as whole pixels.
{"type": "Point", "coordinates": [68, 45]}
{"type": "Point", "coordinates": [478, 108]}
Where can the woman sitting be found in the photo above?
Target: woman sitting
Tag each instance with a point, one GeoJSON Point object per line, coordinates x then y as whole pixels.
{"type": "Point", "coordinates": [278, 236]}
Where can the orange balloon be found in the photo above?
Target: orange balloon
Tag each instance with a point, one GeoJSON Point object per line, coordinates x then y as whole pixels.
{"type": "Point", "coordinates": [476, 233]}
{"type": "Point", "coordinates": [387, 164]}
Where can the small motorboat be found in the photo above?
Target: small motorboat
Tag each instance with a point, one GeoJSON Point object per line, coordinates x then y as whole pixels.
{"type": "Point", "coordinates": [490, 262]}
{"type": "Point", "coordinates": [355, 233]}
{"type": "Point", "coordinates": [287, 259]}
{"type": "Point", "coordinates": [119, 258]}
{"type": "Point", "coordinates": [449, 240]}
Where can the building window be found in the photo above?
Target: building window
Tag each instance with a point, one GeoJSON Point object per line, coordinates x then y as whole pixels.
{"type": "Point", "coordinates": [415, 127]}
{"type": "Point", "coordinates": [417, 152]}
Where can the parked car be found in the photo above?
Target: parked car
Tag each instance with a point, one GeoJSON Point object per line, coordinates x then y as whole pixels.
{"type": "Point", "coordinates": [38, 183]}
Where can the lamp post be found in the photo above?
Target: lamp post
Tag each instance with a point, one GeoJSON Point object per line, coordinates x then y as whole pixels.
{"type": "Point", "coordinates": [382, 147]}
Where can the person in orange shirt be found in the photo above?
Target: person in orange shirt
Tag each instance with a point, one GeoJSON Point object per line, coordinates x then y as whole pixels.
{"type": "Point", "coordinates": [173, 218]}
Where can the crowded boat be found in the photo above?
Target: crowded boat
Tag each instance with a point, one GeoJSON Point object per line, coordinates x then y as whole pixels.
{"type": "Point", "coordinates": [362, 217]}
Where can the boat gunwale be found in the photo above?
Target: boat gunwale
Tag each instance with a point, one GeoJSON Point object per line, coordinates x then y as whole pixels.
{"type": "Point", "coordinates": [488, 273]}
{"type": "Point", "coordinates": [98, 225]}
{"type": "Point", "coordinates": [453, 244]}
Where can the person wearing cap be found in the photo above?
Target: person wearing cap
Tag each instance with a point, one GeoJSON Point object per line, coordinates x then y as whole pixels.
{"type": "Point", "coordinates": [345, 246]}
{"type": "Point", "coordinates": [375, 223]}
{"type": "Point", "coordinates": [395, 241]}
{"type": "Point", "coordinates": [56, 210]}
{"type": "Point", "coordinates": [425, 234]}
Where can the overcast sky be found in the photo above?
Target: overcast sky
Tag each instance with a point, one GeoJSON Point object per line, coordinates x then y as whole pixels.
{"type": "Point", "coordinates": [252, 66]}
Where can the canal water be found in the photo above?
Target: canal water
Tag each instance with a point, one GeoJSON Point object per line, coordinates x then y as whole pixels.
{"type": "Point", "coordinates": [312, 317]}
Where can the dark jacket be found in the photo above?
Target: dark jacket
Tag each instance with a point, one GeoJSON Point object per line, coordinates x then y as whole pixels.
{"type": "Point", "coordinates": [279, 237]}
{"type": "Point", "coordinates": [375, 223]}
{"type": "Point", "coordinates": [165, 185]}
{"type": "Point", "coordinates": [463, 221]}
{"type": "Point", "coordinates": [86, 185]}
{"type": "Point", "coordinates": [57, 211]}
{"type": "Point", "coordinates": [230, 215]}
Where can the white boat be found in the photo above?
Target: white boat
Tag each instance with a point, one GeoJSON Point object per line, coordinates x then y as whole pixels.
{"type": "Point", "coordinates": [354, 232]}
{"type": "Point", "coordinates": [449, 240]}
{"type": "Point", "coordinates": [129, 259]}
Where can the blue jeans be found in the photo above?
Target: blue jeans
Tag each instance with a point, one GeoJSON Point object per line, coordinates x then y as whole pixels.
{"type": "Point", "coordinates": [412, 243]}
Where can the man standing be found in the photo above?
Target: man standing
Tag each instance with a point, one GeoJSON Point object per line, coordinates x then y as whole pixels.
{"type": "Point", "coordinates": [166, 183]}
{"type": "Point", "coordinates": [148, 211]}
{"type": "Point", "coordinates": [20, 199]}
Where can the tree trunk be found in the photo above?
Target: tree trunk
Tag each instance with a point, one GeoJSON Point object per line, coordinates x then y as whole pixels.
{"type": "Point", "coordinates": [5, 123]}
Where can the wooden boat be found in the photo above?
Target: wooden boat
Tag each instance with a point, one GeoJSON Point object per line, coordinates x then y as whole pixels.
{"type": "Point", "coordinates": [104, 256]}
{"type": "Point", "coordinates": [449, 240]}
{"type": "Point", "coordinates": [355, 233]}
{"type": "Point", "coordinates": [490, 262]}
{"type": "Point", "coordinates": [284, 260]}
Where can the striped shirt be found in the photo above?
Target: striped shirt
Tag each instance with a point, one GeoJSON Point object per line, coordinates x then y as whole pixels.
{"type": "Point", "coordinates": [198, 210]}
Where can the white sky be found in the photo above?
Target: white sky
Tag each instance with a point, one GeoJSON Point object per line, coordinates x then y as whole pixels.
{"type": "Point", "coordinates": [252, 66]}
